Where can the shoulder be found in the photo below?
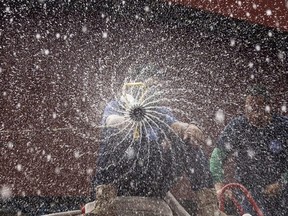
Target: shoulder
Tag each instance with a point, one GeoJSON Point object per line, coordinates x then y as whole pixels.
{"type": "Point", "coordinates": [165, 110]}
{"type": "Point", "coordinates": [282, 121]}
{"type": "Point", "coordinates": [167, 114]}
{"type": "Point", "coordinates": [112, 107]}
{"type": "Point", "coordinates": [112, 103]}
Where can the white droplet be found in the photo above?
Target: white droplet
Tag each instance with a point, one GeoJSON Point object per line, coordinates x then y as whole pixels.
{"type": "Point", "coordinates": [209, 141]}
{"type": "Point", "coordinates": [65, 37]}
{"type": "Point", "coordinates": [130, 153]}
{"type": "Point", "coordinates": [84, 29]}
{"type": "Point", "coordinates": [57, 35]}
{"type": "Point", "coordinates": [146, 9]}
{"type": "Point", "coordinates": [270, 34]}
{"type": "Point", "coordinates": [269, 12]}
{"type": "Point", "coordinates": [192, 170]}
{"type": "Point", "coordinates": [252, 76]}
{"type": "Point", "coordinates": [104, 34]}
{"type": "Point", "coordinates": [254, 6]}
{"type": "Point", "coordinates": [38, 36]}
{"type": "Point", "coordinates": [267, 59]}
{"type": "Point", "coordinates": [228, 146]}
{"type": "Point", "coordinates": [4, 93]}
{"type": "Point", "coordinates": [38, 192]}
{"type": "Point", "coordinates": [220, 116]}
{"type": "Point", "coordinates": [141, 163]}
{"type": "Point", "coordinates": [281, 55]}
{"type": "Point", "coordinates": [132, 184]}
{"type": "Point", "coordinates": [251, 153]}
{"type": "Point", "coordinates": [284, 108]}
{"type": "Point", "coordinates": [236, 154]}
{"type": "Point", "coordinates": [57, 170]}
{"type": "Point", "coordinates": [89, 171]}
{"type": "Point", "coordinates": [102, 15]}
{"type": "Point", "coordinates": [76, 154]}
{"type": "Point", "coordinates": [239, 3]}
{"type": "Point", "coordinates": [267, 109]}
{"type": "Point", "coordinates": [31, 150]}
{"type": "Point", "coordinates": [6, 192]}
{"type": "Point", "coordinates": [54, 115]}
{"type": "Point", "coordinates": [18, 105]}
{"type": "Point", "coordinates": [247, 14]}
{"type": "Point", "coordinates": [48, 157]}
{"type": "Point", "coordinates": [257, 47]}
{"type": "Point", "coordinates": [123, 2]}
{"type": "Point", "coordinates": [232, 42]}
{"type": "Point", "coordinates": [46, 51]}
{"type": "Point", "coordinates": [19, 167]}
{"type": "Point", "coordinates": [250, 64]}
{"type": "Point", "coordinates": [7, 9]}
{"type": "Point", "coordinates": [43, 152]}
{"type": "Point", "coordinates": [10, 145]}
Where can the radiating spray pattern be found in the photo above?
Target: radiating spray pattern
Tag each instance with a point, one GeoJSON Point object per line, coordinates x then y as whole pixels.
{"type": "Point", "coordinates": [59, 70]}
{"type": "Point", "coordinates": [144, 127]}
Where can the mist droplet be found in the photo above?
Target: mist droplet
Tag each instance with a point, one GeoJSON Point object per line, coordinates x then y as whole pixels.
{"type": "Point", "coordinates": [220, 116]}
{"type": "Point", "coordinates": [104, 34]}
{"type": "Point", "coordinates": [6, 192]}
{"type": "Point", "coordinates": [19, 167]}
{"type": "Point", "coordinates": [269, 12]}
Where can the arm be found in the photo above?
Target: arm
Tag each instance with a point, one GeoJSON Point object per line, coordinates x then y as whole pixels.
{"type": "Point", "coordinates": [115, 121]}
{"type": "Point", "coordinates": [188, 132]}
{"type": "Point", "coordinates": [112, 117]}
{"type": "Point", "coordinates": [284, 178]}
{"type": "Point", "coordinates": [225, 146]}
{"type": "Point", "coordinates": [275, 188]}
{"type": "Point", "coordinates": [217, 159]}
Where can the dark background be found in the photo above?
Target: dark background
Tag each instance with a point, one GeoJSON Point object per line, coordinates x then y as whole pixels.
{"type": "Point", "coordinates": [58, 69]}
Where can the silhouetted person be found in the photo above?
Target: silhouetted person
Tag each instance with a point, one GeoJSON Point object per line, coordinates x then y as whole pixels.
{"type": "Point", "coordinates": [145, 148]}
{"type": "Point", "coordinates": [258, 140]}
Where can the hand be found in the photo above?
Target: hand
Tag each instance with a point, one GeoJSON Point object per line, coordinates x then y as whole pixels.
{"type": "Point", "coordinates": [194, 134]}
{"type": "Point", "coordinates": [272, 189]}
{"type": "Point", "coordinates": [115, 121]}
{"type": "Point", "coordinates": [188, 132]}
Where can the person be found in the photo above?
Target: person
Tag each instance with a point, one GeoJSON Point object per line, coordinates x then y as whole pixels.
{"type": "Point", "coordinates": [258, 143]}
{"type": "Point", "coordinates": [144, 144]}
{"type": "Point", "coordinates": [196, 170]}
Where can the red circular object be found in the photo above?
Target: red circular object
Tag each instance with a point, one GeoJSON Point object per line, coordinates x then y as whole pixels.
{"type": "Point", "coordinates": [236, 203]}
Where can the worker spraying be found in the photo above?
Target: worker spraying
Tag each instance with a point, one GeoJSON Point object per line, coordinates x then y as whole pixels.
{"type": "Point", "coordinates": [144, 148]}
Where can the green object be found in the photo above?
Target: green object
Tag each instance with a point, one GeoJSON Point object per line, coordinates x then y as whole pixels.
{"type": "Point", "coordinates": [218, 156]}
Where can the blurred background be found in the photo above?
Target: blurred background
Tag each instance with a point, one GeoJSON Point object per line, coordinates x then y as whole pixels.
{"type": "Point", "coordinates": [61, 61]}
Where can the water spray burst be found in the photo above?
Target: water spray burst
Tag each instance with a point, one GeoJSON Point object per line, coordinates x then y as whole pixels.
{"type": "Point", "coordinates": [137, 113]}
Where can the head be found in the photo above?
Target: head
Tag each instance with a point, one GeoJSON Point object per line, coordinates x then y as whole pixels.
{"type": "Point", "coordinates": [149, 74]}
{"type": "Point", "coordinates": [257, 106]}
{"type": "Point", "coordinates": [142, 81]}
